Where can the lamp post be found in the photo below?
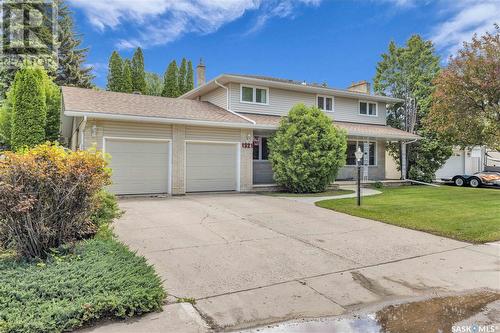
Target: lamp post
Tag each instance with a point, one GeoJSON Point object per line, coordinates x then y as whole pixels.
{"type": "Point", "coordinates": [359, 155]}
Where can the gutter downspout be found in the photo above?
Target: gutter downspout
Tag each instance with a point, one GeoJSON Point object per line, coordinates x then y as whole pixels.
{"type": "Point", "coordinates": [82, 132]}
{"type": "Point", "coordinates": [403, 158]}
{"type": "Point", "coordinates": [227, 103]}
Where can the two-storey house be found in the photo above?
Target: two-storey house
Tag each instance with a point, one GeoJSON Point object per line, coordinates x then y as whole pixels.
{"type": "Point", "coordinates": [214, 138]}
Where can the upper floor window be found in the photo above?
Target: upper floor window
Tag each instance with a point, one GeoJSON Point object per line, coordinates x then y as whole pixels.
{"type": "Point", "coordinates": [368, 108]}
{"type": "Point", "coordinates": [325, 103]}
{"type": "Point", "coordinates": [251, 94]}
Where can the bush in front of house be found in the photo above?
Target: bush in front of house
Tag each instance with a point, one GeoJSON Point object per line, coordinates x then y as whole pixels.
{"type": "Point", "coordinates": [100, 279]}
{"type": "Point", "coordinates": [307, 150]}
{"type": "Point", "coordinates": [47, 195]}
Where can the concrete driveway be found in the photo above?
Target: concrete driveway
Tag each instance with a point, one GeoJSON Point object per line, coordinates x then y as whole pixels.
{"type": "Point", "coordinates": [250, 260]}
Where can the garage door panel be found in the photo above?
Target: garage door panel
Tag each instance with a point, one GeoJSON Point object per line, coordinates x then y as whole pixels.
{"type": "Point", "coordinates": [211, 167]}
{"type": "Point", "coordinates": [139, 166]}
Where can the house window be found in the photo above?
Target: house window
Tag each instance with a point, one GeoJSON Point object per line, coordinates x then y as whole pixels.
{"type": "Point", "coordinates": [257, 95]}
{"type": "Point", "coordinates": [325, 103]}
{"type": "Point", "coordinates": [352, 146]}
{"type": "Point", "coordinates": [367, 108]}
{"type": "Point", "coordinates": [260, 149]}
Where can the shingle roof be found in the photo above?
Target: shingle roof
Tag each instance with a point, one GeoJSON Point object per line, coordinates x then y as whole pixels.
{"type": "Point", "coordinates": [114, 103]}
{"type": "Point", "coordinates": [353, 129]}
{"type": "Point", "coordinates": [276, 79]}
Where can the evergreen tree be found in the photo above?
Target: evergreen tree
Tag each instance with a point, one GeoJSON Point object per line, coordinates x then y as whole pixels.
{"type": "Point", "coordinates": [53, 102]}
{"type": "Point", "coordinates": [170, 81]}
{"type": "Point", "coordinates": [29, 109]}
{"type": "Point", "coordinates": [115, 73]}
{"type": "Point", "coordinates": [71, 57]}
{"type": "Point", "coordinates": [127, 77]}
{"type": "Point", "coordinates": [138, 73]}
{"type": "Point", "coordinates": [154, 84]}
{"type": "Point", "coordinates": [183, 77]}
{"type": "Point", "coordinates": [408, 72]}
{"type": "Point", "coordinates": [190, 77]}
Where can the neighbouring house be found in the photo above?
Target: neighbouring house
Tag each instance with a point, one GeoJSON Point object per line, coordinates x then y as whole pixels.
{"type": "Point", "coordinates": [214, 138]}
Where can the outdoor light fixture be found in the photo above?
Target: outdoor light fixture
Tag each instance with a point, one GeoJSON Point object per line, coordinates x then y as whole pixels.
{"type": "Point", "coordinates": [359, 156]}
{"type": "Point", "coordinates": [94, 131]}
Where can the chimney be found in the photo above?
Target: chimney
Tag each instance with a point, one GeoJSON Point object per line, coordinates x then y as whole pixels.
{"type": "Point", "coordinates": [361, 87]}
{"type": "Point", "coordinates": [200, 73]}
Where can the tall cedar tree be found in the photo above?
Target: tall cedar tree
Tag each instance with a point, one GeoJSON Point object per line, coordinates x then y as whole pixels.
{"type": "Point", "coordinates": [408, 72]}
{"type": "Point", "coordinates": [154, 84]}
{"type": "Point", "coordinates": [190, 77]}
{"type": "Point", "coordinates": [170, 81]}
{"type": "Point", "coordinates": [127, 77]}
{"type": "Point", "coordinates": [467, 96]}
{"type": "Point", "coordinates": [29, 109]}
{"type": "Point", "coordinates": [183, 77]}
{"type": "Point", "coordinates": [52, 97]}
{"type": "Point", "coordinates": [138, 73]}
{"type": "Point", "coordinates": [71, 57]}
{"type": "Point", "coordinates": [115, 73]}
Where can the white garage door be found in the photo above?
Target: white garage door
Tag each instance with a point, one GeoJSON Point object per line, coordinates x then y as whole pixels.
{"type": "Point", "coordinates": [211, 167]}
{"type": "Point", "coordinates": [139, 166]}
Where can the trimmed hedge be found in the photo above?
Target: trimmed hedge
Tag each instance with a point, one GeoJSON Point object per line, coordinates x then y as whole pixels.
{"type": "Point", "coordinates": [102, 278]}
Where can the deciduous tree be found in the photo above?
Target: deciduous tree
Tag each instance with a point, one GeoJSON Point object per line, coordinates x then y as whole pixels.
{"type": "Point", "coordinates": [407, 72]}
{"type": "Point", "coordinates": [467, 97]}
{"type": "Point", "coordinates": [154, 84]}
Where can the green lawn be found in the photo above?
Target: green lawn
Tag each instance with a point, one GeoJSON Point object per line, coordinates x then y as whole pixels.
{"type": "Point", "coordinates": [319, 194]}
{"type": "Point", "coordinates": [101, 278]}
{"type": "Point", "coordinates": [461, 213]}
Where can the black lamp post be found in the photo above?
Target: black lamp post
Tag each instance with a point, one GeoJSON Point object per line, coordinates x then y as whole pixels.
{"type": "Point", "coordinates": [359, 156]}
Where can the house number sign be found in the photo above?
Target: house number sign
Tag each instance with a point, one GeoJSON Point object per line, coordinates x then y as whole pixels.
{"type": "Point", "coordinates": [247, 145]}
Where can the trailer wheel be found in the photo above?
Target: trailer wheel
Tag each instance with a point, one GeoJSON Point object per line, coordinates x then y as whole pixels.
{"type": "Point", "coordinates": [459, 181]}
{"type": "Point", "coordinates": [474, 182]}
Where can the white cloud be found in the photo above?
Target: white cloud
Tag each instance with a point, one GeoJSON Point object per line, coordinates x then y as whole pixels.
{"type": "Point", "coordinates": [158, 22]}
{"type": "Point", "coordinates": [464, 18]}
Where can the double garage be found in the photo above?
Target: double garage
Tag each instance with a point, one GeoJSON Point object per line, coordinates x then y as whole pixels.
{"type": "Point", "coordinates": [146, 165]}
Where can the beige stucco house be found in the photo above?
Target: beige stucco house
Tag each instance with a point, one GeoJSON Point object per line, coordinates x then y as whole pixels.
{"type": "Point", "coordinates": [214, 138]}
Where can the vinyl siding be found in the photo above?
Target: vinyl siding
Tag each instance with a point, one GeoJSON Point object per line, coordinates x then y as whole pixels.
{"type": "Point", "coordinates": [124, 129]}
{"type": "Point", "coordinates": [281, 101]}
{"type": "Point", "coordinates": [213, 134]}
{"type": "Point", "coordinates": [217, 97]}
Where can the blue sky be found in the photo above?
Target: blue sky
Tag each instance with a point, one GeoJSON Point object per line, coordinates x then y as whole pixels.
{"type": "Point", "coordinates": [331, 41]}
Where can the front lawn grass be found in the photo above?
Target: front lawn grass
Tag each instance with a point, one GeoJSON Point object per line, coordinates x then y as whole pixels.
{"type": "Point", "coordinates": [101, 278]}
{"type": "Point", "coordinates": [461, 213]}
{"type": "Point", "coordinates": [331, 193]}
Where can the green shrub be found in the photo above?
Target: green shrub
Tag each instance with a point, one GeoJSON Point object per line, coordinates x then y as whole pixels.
{"type": "Point", "coordinates": [307, 150]}
{"type": "Point", "coordinates": [102, 278]}
{"type": "Point", "coordinates": [106, 209]}
{"type": "Point", "coordinates": [47, 195]}
{"type": "Point", "coordinates": [378, 184]}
